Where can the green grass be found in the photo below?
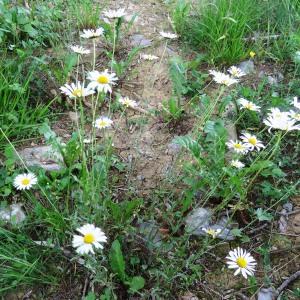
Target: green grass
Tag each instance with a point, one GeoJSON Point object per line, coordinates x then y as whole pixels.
{"type": "Point", "coordinates": [224, 29]}
{"type": "Point", "coordinates": [20, 113]}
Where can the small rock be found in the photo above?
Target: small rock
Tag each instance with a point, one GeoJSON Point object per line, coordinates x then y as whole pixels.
{"type": "Point", "coordinates": [266, 294]}
{"type": "Point", "coordinates": [197, 219]}
{"type": "Point", "coordinates": [288, 206]}
{"type": "Point", "coordinates": [74, 116]}
{"type": "Point", "coordinates": [274, 80]}
{"type": "Point", "coordinates": [151, 234]}
{"type": "Point", "coordinates": [231, 130]}
{"type": "Point", "coordinates": [138, 40]}
{"type": "Point", "coordinates": [173, 148]}
{"type": "Point", "coordinates": [42, 156]}
{"type": "Point", "coordinates": [189, 296]}
{"type": "Point", "coordinates": [13, 214]}
{"type": "Point", "coordinates": [247, 66]}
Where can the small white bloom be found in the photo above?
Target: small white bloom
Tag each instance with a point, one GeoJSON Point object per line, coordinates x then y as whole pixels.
{"type": "Point", "coordinates": [296, 103]}
{"type": "Point", "coordinates": [149, 57]}
{"type": "Point", "coordinates": [101, 81]}
{"type": "Point", "coordinates": [222, 78]}
{"type": "Point", "coordinates": [246, 104]}
{"type": "Point", "coordinates": [236, 72]}
{"type": "Point", "coordinates": [277, 119]}
{"type": "Point", "coordinates": [213, 232]}
{"type": "Point", "coordinates": [168, 35]}
{"type": "Point", "coordinates": [237, 164]}
{"type": "Point", "coordinates": [91, 238]}
{"type": "Point", "coordinates": [80, 50]}
{"type": "Point", "coordinates": [128, 102]}
{"type": "Point", "coordinates": [242, 261]}
{"type": "Point", "coordinates": [91, 33]}
{"type": "Point", "coordinates": [25, 181]}
{"type": "Point", "coordinates": [251, 141]}
{"type": "Point", "coordinates": [237, 146]}
{"type": "Point", "coordinates": [103, 122]}
{"type": "Point", "coordinates": [114, 14]}
{"type": "Point", "coordinates": [76, 90]}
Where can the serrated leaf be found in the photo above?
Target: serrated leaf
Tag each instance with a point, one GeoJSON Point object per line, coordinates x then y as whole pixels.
{"type": "Point", "coordinates": [116, 260]}
{"type": "Point", "coordinates": [262, 215]}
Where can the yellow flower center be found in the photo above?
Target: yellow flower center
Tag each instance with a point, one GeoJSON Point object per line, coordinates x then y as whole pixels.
{"type": "Point", "coordinates": [102, 123]}
{"type": "Point", "coordinates": [103, 79]}
{"type": "Point", "coordinates": [241, 262]}
{"type": "Point", "coordinates": [249, 106]}
{"type": "Point", "coordinates": [238, 146]}
{"type": "Point", "coordinates": [25, 181]}
{"type": "Point", "coordinates": [252, 141]}
{"type": "Point", "coordinates": [252, 54]}
{"type": "Point", "coordinates": [89, 238]}
{"type": "Point", "coordinates": [77, 92]}
{"type": "Point", "coordinates": [212, 232]}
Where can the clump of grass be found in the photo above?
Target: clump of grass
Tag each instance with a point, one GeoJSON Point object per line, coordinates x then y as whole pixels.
{"type": "Point", "coordinates": [227, 31]}
{"type": "Point", "coordinates": [217, 27]}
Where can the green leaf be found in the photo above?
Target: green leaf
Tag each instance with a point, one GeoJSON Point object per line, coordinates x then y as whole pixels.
{"type": "Point", "coordinates": [188, 143]}
{"type": "Point", "coordinates": [90, 296]}
{"type": "Point", "coordinates": [136, 283]}
{"type": "Point", "coordinates": [116, 260]}
{"type": "Point", "coordinates": [236, 232]}
{"type": "Point", "coordinates": [262, 215]}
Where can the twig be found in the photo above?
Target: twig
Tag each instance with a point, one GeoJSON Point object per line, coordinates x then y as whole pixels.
{"type": "Point", "coordinates": [285, 284]}
{"type": "Point", "coordinates": [290, 213]}
{"type": "Point", "coordinates": [241, 295]}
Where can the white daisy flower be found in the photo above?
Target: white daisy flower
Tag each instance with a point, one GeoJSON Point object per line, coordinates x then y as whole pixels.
{"type": "Point", "coordinates": [80, 50]}
{"type": "Point", "coordinates": [246, 104]}
{"type": "Point", "coordinates": [237, 146]}
{"type": "Point", "coordinates": [251, 141]}
{"type": "Point", "coordinates": [213, 232]}
{"type": "Point", "coordinates": [91, 238]}
{"type": "Point", "coordinates": [222, 78]}
{"type": "Point", "coordinates": [237, 164]}
{"type": "Point", "coordinates": [25, 181]}
{"type": "Point", "coordinates": [91, 33]}
{"type": "Point", "coordinates": [76, 90]}
{"type": "Point", "coordinates": [114, 14]}
{"type": "Point", "coordinates": [128, 102]}
{"type": "Point", "coordinates": [296, 103]}
{"type": "Point", "coordinates": [149, 57]}
{"type": "Point", "coordinates": [236, 72]}
{"type": "Point", "coordinates": [295, 115]}
{"type": "Point", "coordinates": [277, 119]}
{"type": "Point", "coordinates": [103, 122]}
{"type": "Point", "coordinates": [168, 35]}
{"type": "Point", "coordinates": [242, 261]}
{"type": "Point", "coordinates": [102, 81]}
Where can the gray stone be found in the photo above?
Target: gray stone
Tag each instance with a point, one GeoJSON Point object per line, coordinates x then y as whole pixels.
{"type": "Point", "coordinates": [275, 79]}
{"type": "Point", "coordinates": [198, 219]}
{"type": "Point", "coordinates": [173, 148]}
{"type": "Point", "coordinates": [231, 130]}
{"type": "Point", "coordinates": [288, 206]}
{"type": "Point", "coordinates": [151, 234]}
{"type": "Point", "coordinates": [266, 294]}
{"type": "Point", "coordinates": [138, 40]}
{"type": "Point", "coordinates": [247, 66]}
{"type": "Point", "coordinates": [42, 156]}
{"type": "Point", "coordinates": [13, 214]}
